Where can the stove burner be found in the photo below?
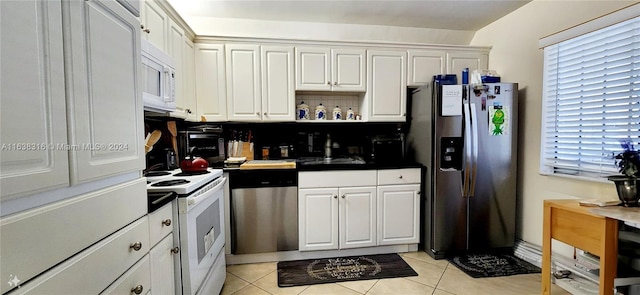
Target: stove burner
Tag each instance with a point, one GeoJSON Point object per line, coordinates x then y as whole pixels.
{"type": "Point", "coordinates": [191, 173]}
{"type": "Point", "coordinates": [171, 182]}
{"type": "Point", "coordinates": [157, 173]}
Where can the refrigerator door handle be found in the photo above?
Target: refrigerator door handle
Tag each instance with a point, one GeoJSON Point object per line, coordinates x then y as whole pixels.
{"type": "Point", "coordinates": [474, 127]}
{"type": "Point", "coordinates": [467, 151]}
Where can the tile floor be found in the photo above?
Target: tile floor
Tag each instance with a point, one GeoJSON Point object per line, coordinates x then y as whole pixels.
{"type": "Point", "coordinates": [436, 277]}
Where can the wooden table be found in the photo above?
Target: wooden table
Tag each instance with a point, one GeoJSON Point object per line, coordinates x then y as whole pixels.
{"type": "Point", "coordinates": [570, 223]}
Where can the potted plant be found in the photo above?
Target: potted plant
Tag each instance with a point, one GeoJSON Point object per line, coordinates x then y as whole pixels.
{"type": "Point", "coordinates": [628, 184]}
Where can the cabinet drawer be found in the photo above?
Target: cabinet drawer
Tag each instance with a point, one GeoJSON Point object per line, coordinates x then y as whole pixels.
{"type": "Point", "coordinates": [161, 223]}
{"type": "Point", "coordinates": [336, 178]}
{"type": "Point", "coordinates": [48, 235]}
{"type": "Point", "coordinates": [398, 176]}
{"type": "Point", "coordinates": [92, 270]}
{"type": "Point", "coordinates": [137, 277]}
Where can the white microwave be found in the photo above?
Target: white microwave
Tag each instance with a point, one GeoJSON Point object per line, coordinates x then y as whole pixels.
{"type": "Point", "coordinates": [158, 79]}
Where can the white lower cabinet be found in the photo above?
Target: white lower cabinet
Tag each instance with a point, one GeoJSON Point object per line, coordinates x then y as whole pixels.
{"type": "Point", "coordinates": [163, 254]}
{"type": "Point", "coordinates": [135, 281]}
{"type": "Point", "coordinates": [96, 268]}
{"type": "Point", "coordinates": [399, 206]}
{"type": "Point", "coordinates": [357, 217]}
{"type": "Point", "coordinates": [358, 208]}
{"type": "Point", "coordinates": [398, 214]}
{"type": "Point", "coordinates": [162, 259]}
{"type": "Point", "coordinates": [337, 218]}
{"type": "Point", "coordinates": [336, 209]}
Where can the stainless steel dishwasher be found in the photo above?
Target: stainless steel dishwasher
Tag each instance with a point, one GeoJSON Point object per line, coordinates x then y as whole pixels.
{"type": "Point", "coordinates": [264, 210]}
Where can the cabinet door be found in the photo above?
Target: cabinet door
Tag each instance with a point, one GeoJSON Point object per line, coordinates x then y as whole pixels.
{"type": "Point", "coordinates": [313, 68]}
{"type": "Point", "coordinates": [32, 71]}
{"type": "Point", "coordinates": [318, 219]}
{"type": "Point", "coordinates": [104, 95]}
{"type": "Point", "coordinates": [423, 65]}
{"type": "Point", "coordinates": [189, 81]}
{"type": "Point", "coordinates": [162, 274]}
{"type": "Point", "coordinates": [175, 46]}
{"type": "Point", "coordinates": [154, 23]}
{"type": "Point", "coordinates": [348, 70]}
{"type": "Point", "coordinates": [278, 89]}
{"type": "Point", "coordinates": [357, 217]}
{"type": "Point", "coordinates": [457, 61]}
{"type": "Point", "coordinates": [243, 82]}
{"type": "Point", "coordinates": [387, 85]}
{"type": "Point", "coordinates": [211, 93]}
{"type": "Point", "coordinates": [398, 214]}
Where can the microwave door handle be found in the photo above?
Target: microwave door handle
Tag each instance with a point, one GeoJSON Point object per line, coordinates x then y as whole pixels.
{"type": "Point", "coordinates": [474, 128]}
{"type": "Point", "coordinates": [168, 85]}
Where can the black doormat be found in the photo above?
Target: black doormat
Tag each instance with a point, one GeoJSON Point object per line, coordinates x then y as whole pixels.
{"type": "Point", "coordinates": [331, 270]}
{"type": "Point", "coordinates": [492, 265]}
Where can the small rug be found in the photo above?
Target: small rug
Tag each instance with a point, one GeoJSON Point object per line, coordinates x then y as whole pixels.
{"type": "Point", "coordinates": [492, 265]}
{"type": "Point", "coordinates": [331, 270]}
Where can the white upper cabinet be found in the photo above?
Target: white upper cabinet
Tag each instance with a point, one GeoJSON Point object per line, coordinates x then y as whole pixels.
{"type": "Point", "coordinates": [325, 69]}
{"type": "Point", "coordinates": [348, 71]}
{"type": "Point", "coordinates": [32, 79]}
{"type": "Point", "coordinates": [387, 85]}
{"type": "Point", "coordinates": [244, 95]}
{"type": "Point", "coordinates": [211, 91]}
{"type": "Point", "coordinates": [103, 91]}
{"type": "Point", "coordinates": [189, 81]}
{"type": "Point", "coordinates": [424, 64]}
{"type": "Point", "coordinates": [278, 93]}
{"type": "Point", "coordinates": [175, 49]}
{"type": "Point", "coordinates": [457, 61]}
{"type": "Point", "coordinates": [154, 22]}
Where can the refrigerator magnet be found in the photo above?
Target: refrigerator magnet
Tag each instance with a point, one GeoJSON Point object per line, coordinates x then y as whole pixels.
{"type": "Point", "coordinates": [498, 120]}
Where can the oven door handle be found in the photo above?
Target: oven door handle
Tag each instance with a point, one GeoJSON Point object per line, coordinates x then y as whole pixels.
{"type": "Point", "coordinates": [193, 201]}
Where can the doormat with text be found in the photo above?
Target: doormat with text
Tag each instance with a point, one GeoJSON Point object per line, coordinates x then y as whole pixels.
{"type": "Point", "coordinates": [340, 269]}
{"type": "Point", "coordinates": [492, 265]}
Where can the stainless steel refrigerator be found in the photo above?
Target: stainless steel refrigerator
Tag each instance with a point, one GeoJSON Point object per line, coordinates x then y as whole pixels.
{"type": "Point", "coordinates": [466, 138]}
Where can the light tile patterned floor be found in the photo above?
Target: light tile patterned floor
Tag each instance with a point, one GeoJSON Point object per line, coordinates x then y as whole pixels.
{"type": "Point", "coordinates": [436, 277]}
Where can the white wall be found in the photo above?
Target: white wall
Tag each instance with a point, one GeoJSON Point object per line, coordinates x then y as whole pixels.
{"type": "Point", "coordinates": [516, 57]}
{"type": "Point", "coordinates": [225, 27]}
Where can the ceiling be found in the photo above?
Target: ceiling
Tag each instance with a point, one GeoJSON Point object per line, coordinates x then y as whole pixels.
{"type": "Point", "coordinates": [466, 15]}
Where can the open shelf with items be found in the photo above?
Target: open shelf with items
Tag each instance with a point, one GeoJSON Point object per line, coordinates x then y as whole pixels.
{"type": "Point", "coordinates": [344, 101]}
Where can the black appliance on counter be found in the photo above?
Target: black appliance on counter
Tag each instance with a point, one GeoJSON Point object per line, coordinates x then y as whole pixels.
{"type": "Point", "coordinates": [207, 140]}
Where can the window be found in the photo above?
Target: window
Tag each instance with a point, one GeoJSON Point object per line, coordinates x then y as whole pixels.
{"type": "Point", "coordinates": [591, 100]}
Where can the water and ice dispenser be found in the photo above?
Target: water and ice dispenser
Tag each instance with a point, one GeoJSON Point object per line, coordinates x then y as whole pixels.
{"type": "Point", "coordinates": [451, 153]}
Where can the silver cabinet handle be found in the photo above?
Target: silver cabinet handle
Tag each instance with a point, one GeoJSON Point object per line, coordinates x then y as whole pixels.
{"type": "Point", "coordinates": [418, 193]}
{"type": "Point", "coordinates": [188, 111]}
{"type": "Point", "coordinates": [136, 246]}
{"type": "Point", "coordinates": [328, 82]}
{"type": "Point", "coordinates": [147, 31]}
{"type": "Point", "coordinates": [343, 196]}
{"type": "Point", "coordinates": [335, 197]}
{"type": "Point", "coordinates": [137, 289]}
{"type": "Point", "coordinates": [335, 83]}
{"type": "Point", "coordinates": [400, 177]}
{"type": "Point", "coordinates": [257, 113]}
{"type": "Point", "coordinates": [175, 250]}
{"type": "Point", "coordinates": [265, 114]}
{"type": "Point", "coordinates": [141, 26]}
{"type": "Point", "coordinates": [166, 222]}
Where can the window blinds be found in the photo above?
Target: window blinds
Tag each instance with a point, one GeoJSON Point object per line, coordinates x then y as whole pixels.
{"type": "Point", "coordinates": [591, 100]}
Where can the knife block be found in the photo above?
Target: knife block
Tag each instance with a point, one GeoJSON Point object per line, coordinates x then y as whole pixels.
{"type": "Point", "coordinates": [246, 152]}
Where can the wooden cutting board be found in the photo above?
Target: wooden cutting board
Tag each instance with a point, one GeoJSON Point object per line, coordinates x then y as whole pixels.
{"type": "Point", "coordinates": [268, 164]}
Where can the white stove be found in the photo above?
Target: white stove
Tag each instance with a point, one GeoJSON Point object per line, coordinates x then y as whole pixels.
{"type": "Point", "coordinates": [200, 227]}
{"type": "Point", "coordinates": [179, 182]}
